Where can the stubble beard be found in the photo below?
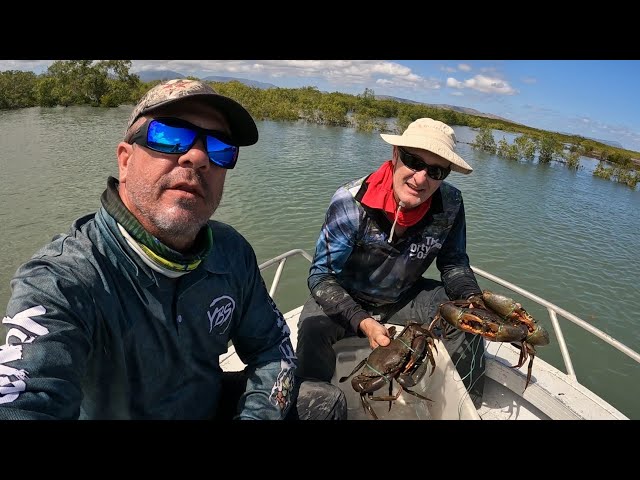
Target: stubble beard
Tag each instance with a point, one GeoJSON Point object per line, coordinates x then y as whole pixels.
{"type": "Point", "coordinates": [176, 223]}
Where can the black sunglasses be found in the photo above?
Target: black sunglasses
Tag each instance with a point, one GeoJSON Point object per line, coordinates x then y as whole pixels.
{"type": "Point", "coordinates": [174, 135]}
{"type": "Point", "coordinates": [416, 164]}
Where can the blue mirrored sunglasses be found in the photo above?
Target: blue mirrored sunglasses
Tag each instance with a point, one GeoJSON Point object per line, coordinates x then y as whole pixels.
{"type": "Point", "coordinates": [416, 163]}
{"type": "Point", "coordinates": [174, 135]}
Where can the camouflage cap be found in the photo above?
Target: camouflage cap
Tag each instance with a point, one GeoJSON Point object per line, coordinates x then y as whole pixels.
{"type": "Point", "coordinates": [243, 129]}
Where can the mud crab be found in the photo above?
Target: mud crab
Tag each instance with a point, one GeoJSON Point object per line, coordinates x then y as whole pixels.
{"type": "Point", "coordinates": [404, 360]}
{"type": "Point", "coordinates": [497, 318]}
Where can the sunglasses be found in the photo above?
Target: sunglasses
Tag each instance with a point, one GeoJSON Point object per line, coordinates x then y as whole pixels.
{"type": "Point", "coordinates": [174, 135]}
{"type": "Point", "coordinates": [416, 164]}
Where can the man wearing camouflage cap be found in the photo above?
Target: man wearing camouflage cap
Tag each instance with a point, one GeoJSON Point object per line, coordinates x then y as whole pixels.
{"type": "Point", "coordinates": [126, 315]}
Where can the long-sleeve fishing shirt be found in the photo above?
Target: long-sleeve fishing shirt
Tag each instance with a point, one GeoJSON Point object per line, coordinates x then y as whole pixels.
{"type": "Point", "coordinates": [94, 333]}
{"type": "Point", "coordinates": [355, 266]}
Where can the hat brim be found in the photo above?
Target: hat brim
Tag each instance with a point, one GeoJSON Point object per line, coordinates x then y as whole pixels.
{"type": "Point", "coordinates": [457, 162]}
{"type": "Point", "coordinates": [244, 131]}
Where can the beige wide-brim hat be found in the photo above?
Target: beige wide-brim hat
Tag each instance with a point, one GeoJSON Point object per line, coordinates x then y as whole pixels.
{"type": "Point", "coordinates": [434, 136]}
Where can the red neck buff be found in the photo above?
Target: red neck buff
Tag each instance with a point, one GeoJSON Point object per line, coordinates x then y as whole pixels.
{"type": "Point", "coordinates": [379, 195]}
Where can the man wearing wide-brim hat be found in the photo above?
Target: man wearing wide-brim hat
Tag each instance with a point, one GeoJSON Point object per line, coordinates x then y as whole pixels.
{"type": "Point", "coordinates": [381, 234]}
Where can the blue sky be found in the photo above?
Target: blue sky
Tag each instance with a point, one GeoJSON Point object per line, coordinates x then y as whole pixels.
{"type": "Point", "coordinates": [593, 98]}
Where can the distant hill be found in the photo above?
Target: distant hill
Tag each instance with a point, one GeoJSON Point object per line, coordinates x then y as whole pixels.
{"type": "Point", "coordinates": [152, 75]}
{"type": "Point", "coordinates": [611, 143]}
{"type": "Point", "coordinates": [249, 83]}
{"type": "Point", "coordinates": [608, 142]}
{"type": "Point", "coordinates": [469, 111]}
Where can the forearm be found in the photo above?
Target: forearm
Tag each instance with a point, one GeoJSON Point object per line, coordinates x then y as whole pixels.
{"type": "Point", "coordinates": [453, 262]}
{"type": "Point", "coordinates": [460, 282]}
{"type": "Point", "coordinates": [336, 301]}
{"type": "Point", "coordinates": [44, 357]}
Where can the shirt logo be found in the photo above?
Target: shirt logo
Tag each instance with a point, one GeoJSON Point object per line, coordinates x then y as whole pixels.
{"type": "Point", "coordinates": [421, 250]}
{"type": "Point", "coordinates": [220, 312]}
{"type": "Point", "coordinates": [25, 330]}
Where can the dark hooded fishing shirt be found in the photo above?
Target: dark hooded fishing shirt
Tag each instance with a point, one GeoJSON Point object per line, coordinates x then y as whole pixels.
{"type": "Point", "coordinates": [355, 267]}
{"type": "Point", "coordinates": [94, 333]}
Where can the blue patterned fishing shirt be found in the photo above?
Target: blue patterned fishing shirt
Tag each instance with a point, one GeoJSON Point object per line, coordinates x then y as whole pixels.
{"type": "Point", "coordinates": [356, 268]}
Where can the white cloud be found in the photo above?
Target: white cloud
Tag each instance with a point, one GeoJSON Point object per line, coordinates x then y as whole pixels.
{"type": "Point", "coordinates": [484, 84]}
{"type": "Point", "coordinates": [464, 67]}
{"type": "Point", "coordinates": [337, 73]}
{"type": "Point", "coordinates": [453, 83]}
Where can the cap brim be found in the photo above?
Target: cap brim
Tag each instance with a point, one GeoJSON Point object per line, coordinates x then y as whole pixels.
{"type": "Point", "coordinates": [458, 164]}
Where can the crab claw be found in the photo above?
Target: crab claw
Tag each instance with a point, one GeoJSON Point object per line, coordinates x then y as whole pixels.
{"type": "Point", "coordinates": [539, 336]}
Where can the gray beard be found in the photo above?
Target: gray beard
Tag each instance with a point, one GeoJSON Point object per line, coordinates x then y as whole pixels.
{"type": "Point", "coordinates": [171, 230]}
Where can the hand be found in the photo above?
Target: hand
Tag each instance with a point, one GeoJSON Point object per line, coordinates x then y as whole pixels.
{"type": "Point", "coordinates": [477, 301]}
{"type": "Point", "coordinates": [375, 332]}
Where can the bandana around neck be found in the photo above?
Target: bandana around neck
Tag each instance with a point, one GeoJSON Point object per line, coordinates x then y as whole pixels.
{"type": "Point", "coordinates": [159, 253]}
{"type": "Point", "coordinates": [379, 195]}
